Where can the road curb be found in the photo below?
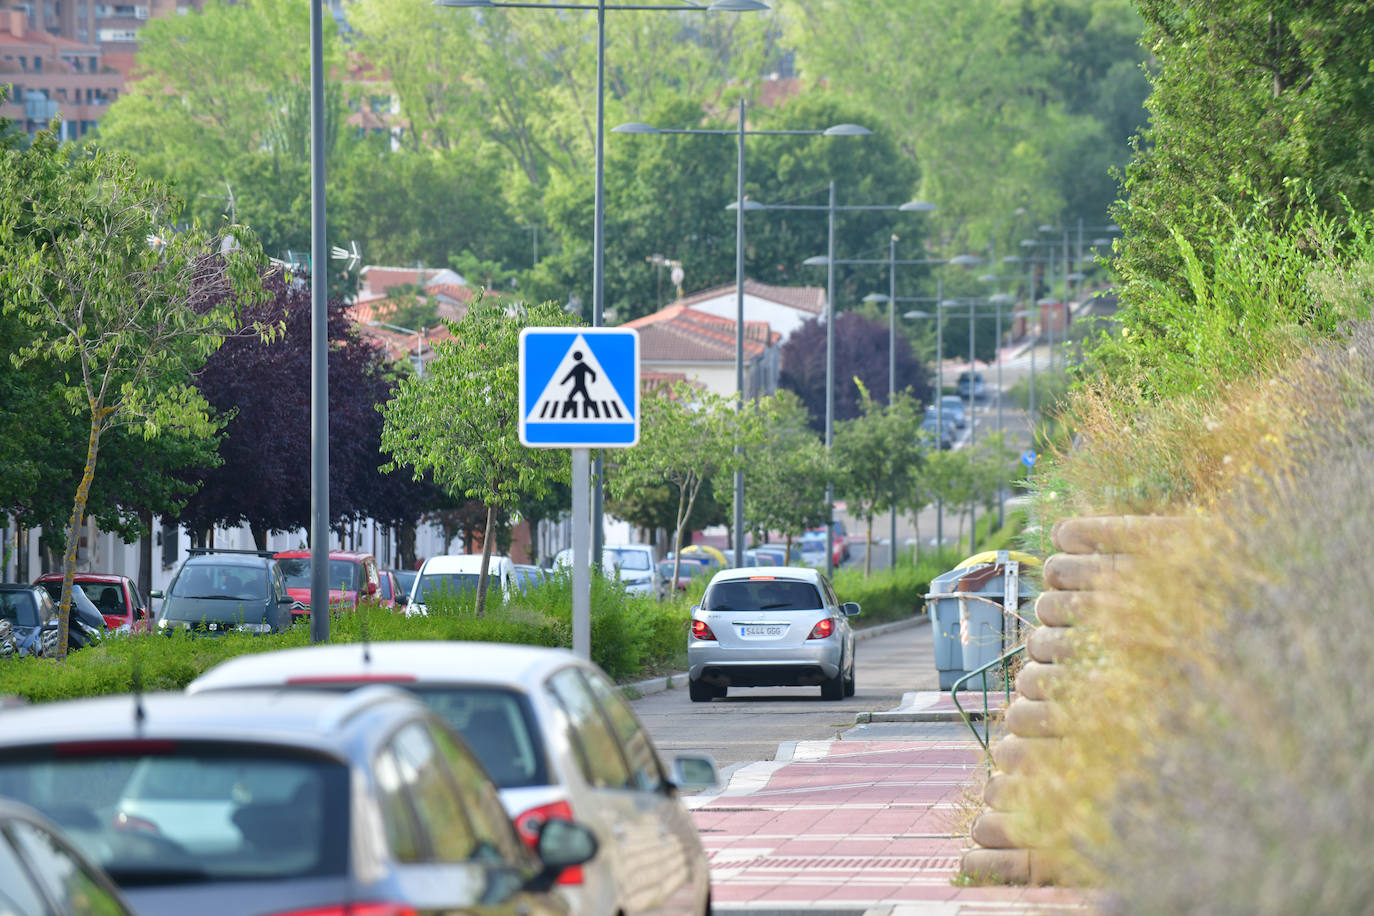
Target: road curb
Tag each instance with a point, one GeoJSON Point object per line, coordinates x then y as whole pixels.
{"type": "Point", "coordinates": [677, 678]}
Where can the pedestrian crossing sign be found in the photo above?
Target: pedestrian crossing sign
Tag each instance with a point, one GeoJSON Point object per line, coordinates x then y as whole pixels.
{"type": "Point", "coordinates": [579, 387]}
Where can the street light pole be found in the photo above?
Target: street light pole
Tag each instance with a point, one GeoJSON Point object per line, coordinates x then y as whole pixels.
{"type": "Point", "coordinates": [739, 206]}
{"type": "Point", "coordinates": [319, 341]}
{"type": "Point", "coordinates": [892, 375]}
{"type": "Point", "coordinates": [830, 379]}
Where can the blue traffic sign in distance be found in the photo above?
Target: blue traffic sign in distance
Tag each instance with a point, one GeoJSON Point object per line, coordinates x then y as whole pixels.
{"type": "Point", "coordinates": [1028, 458]}
{"type": "Point", "coordinates": [579, 387]}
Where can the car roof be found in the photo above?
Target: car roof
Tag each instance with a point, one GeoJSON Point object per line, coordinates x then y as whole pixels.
{"type": "Point", "coordinates": [110, 578]}
{"type": "Point", "coordinates": [495, 664]}
{"type": "Point", "coordinates": [460, 562]}
{"type": "Point", "coordinates": [333, 555]}
{"type": "Point", "coordinates": [228, 559]}
{"type": "Point", "coordinates": [320, 721]}
{"type": "Point", "coordinates": [799, 573]}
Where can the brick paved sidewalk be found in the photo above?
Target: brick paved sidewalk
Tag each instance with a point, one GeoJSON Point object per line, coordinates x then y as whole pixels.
{"type": "Point", "coordinates": [855, 826]}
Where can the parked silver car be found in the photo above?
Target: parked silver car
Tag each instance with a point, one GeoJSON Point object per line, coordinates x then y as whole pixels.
{"type": "Point", "coordinates": [770, 626]}
{"type": "Point", "coordinates": [281, 803]}
{"type": "Point", "coordinates": [558, 739]}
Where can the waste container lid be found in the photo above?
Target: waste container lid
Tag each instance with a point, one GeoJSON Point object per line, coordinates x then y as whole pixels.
{"type": "Point", "coordinates": [990, 556]}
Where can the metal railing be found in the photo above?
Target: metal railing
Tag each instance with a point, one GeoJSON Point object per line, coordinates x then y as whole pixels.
{"type": "Point", "coordinates": [1002, 661]}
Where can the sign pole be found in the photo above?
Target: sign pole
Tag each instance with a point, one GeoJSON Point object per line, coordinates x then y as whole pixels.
{"type": "Point", "coordinates": [582, 552]}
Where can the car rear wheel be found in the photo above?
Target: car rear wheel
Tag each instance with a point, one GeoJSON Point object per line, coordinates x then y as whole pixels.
{"type": "Point", "coordinates": [849, 681]}
{"type": "Point", "coordinates": [833, 688]}
{"type": "Point", "coordinates": [702, 692]}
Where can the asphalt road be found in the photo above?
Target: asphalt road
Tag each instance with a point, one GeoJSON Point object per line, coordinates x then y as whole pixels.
{"type": "Point", "coordinates": [750, 723]}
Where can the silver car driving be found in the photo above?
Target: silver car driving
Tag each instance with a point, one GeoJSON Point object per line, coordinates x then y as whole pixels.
{"type": "Point", "coordinates": [770, 626]}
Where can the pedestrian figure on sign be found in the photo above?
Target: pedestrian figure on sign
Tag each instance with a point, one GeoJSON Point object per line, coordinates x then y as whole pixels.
{"type": "Point", "coordinates": [578, 373]}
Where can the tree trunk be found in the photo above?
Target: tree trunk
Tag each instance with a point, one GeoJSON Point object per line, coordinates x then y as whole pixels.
{"type": "Point", "coordinates": [486, 561]}
{"type": "Point", "coordinates": [677, 537]}
{"type": "Point", "coordinates": [916, 526]}
{"type": "Point", "coordinates": [405, 544]}
{"type": "Point", "coordinates": [83, 492]}
{"type": "Point", "coordinates": [868, 548]}
{"type": "Point", "coordinates": [259, 533]}
{"type": "Point", "coordinates": [145, 554]}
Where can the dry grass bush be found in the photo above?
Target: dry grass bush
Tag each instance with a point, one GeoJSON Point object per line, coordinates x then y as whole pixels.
{"type": "Point", "coordinates": [1222, 748]}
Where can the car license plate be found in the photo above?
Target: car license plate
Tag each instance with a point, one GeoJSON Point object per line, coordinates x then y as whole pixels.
{"type": "Point", "coordinates": [763, 631]}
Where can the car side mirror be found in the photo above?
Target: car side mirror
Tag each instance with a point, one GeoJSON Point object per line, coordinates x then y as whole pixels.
{"type": "Point", "coordinates": [850, 608]}
{"type": "Point", "coordinates": [372, 588]}
{"type": "Point", "coordinates": [156, 593]}
{"type": "Point", "coordinates": [140, 613]}
{"type": "Point", "coordinates": [561, 845]}
{"type": "Point", "coordinates": [285, 600]}
{"type": "Point", "coordinates": [695, 771]}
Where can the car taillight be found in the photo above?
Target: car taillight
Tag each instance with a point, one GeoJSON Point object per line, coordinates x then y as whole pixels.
{"type": "Point", "coordinates": [527, 824]}
{"type": "Point", "coordinates": [355, 909]}
{"type": "Point", "coordinates": [823, 629]}
{"type": "Point", "coordinates": [701, 631]}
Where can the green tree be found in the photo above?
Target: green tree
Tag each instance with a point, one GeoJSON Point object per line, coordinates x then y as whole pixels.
{"type": "Point", "coordinates": [873, 455]}
{"type": "Point", "coordinates": [785, 473]}
{"type": "Point", "coordinates": [133, 318]}
{"type": "Point", "coordinates": [687, 438]}
{"type": "Point", "coordinates": [1252, 104]}
{"type": "Point", "coordinates": [460, 422]}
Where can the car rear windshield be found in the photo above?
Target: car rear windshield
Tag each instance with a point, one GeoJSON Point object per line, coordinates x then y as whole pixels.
{"type": "Point", "coordinates": [343, 574]}
{"type": "Point", "coordinates": [498, 725]}
{"type": "Point", "coordinates": [244, 583]}
{"type": "Point", "coordinates": [762, 595]}
{"type": "Point", "coordinates": [191, 813]}
{"type": "Point", "coordinates": [432, 584]}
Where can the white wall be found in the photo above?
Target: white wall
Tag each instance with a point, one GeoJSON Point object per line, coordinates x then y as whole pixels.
{"type": "Point", "coordinates": [781, 318]}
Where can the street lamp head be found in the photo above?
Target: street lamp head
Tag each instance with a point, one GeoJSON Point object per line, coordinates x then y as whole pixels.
{"type": "Point", "coordinates": [819, 260]}
{"type": "Point", "coordinates": [1076, 276]}
{"type": "Point", "coordinates": [635, 127]}
{"type": "Point", "coordinates": [1046, 228]}
{"type": "Point", "coordinates": [736, 6]}
{"type": "Point", "coordinates": [1001, 298]}
{"type": "Point", "coordinates": [1047, 300]}
{"type": "Point", "coordinates": [846, 130]}
{"type": "Point", "coordinates": [463, 4]}
{"type": "Point", "coordinates": [1028, 243]}
{"type": "Point", "coordinates": [965, 260]}
{"type": "Point", "coordinates": [988, 278]}
{"type": "Point", "coordinates": [876, 297]}
{"type": "Point", "coordinates": [748, 205]}
{"type": "Point", "coordinates": [917, 314]}
{"type": "Point", "coordinates": [1012, 259]}
{"type": "Point", "coordinates": [1101, 243]}
{"type": "Point", "coordinates": [917, 206]}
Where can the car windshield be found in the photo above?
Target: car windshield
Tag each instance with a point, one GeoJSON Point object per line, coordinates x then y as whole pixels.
{"type": "Point", "coordinates": [432, 584]}
{"type": "Point", "coordinates": [526, 576]}
{"type": "Point", "coordinates": [343, 574]}
{"type": "Point", "coordinates": [242, 583]}
{"type": "Point", "coordinates": [763, 594]}
{"type": "Point", "coordinates": [191, 812]}
{"type": "Point", "coordinates": [630, 559]}
{"type": "Point", "coordinates": [813, 539]}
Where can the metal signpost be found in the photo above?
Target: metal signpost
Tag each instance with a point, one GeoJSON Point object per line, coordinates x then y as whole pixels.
{"type": "Point", "coordinates": [579, 390]}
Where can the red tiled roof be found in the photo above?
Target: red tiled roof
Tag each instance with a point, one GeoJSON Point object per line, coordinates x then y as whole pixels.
{"type": "Point", "coordinates": [679, 333]}
{"type": "Point", "coordinates": [809, 299]}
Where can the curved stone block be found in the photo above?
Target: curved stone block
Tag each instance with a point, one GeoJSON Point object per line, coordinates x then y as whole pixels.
{"type": "Point", "coordinates": [992, 830]}
{"type": "Point", "coordinates": [996, 866]}
{"type": "Point", "coordinates": [1034, 718]}
{"type": "Point", "coordinates": [1036, 680]}
{"type": "Point", "coordinates": [1002, 791]}
{"type": "Point", "coordinates": [1016, 754]}
{"type": "Point", "coordinates": [1081, 573]}
{"type": "Point", "coordinates": [1044, 868]}
{"type": "Point", "coordinates": [1057, 608]}
{"type": "Point", "coordinates": [1050, 644]}
{"type": "Point", "coordinates": [1136, 534]}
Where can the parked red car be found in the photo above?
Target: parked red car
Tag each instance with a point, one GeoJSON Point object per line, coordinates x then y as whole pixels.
{"type": "Point", "coordinates": [116, 597]}
{"type": "Point", "coordinates": [352, 577]}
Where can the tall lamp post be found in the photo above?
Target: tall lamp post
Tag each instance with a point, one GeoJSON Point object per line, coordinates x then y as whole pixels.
{"type": "Point", "coordinates": [830, 208]}
{"type": "Point", "coordinates": [739, 206]}
{"type": "Point", "coordinates": [582, 583]}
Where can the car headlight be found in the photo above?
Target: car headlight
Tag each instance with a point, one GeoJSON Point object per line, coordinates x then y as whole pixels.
{"type": "Point", "coordinates": [258, 628]}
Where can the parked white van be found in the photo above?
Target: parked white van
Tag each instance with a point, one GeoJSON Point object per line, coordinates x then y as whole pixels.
{"type": "Point", "coordinates": [458, 573]}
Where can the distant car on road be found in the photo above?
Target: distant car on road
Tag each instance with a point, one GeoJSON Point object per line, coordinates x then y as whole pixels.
{"type": "Point", "coordinates": [812, 542]}
{"type": "Point", "coordinates": [281, 802]}
{"type": "Point", "coordinates": [943, 435]}
{"type": "Point", "coordinates": [971, 384]}
{"type": "Point", "coordinates": [953, 406]}
{"type": "Point", "coordinates": [767, 627]}
{"type": "Point", "coordinates": [458, 574]}
{"type": "Point", "coordinates": [557, 737]}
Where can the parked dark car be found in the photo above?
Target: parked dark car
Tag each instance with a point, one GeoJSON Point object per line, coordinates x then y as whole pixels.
{"type": "Point", "coordinates": [32, 617]}
{"type": "Point", "coordinates": [248, 803]}
{"type": "Point", "coordinates": [116, 596]}
{"type": "Point", "coordinates": [971, 382]}
{"type": "Point", "coordinates": [219, 591]}
{"type": "Point", "coordinates": [42, 872]}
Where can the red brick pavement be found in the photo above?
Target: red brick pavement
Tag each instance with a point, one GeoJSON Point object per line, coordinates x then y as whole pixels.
{"type": "Point", "coordinates": [856, 825]}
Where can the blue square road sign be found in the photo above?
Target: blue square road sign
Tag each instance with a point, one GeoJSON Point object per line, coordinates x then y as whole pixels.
{"type": "Point", "coordinates": [579, 387]}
